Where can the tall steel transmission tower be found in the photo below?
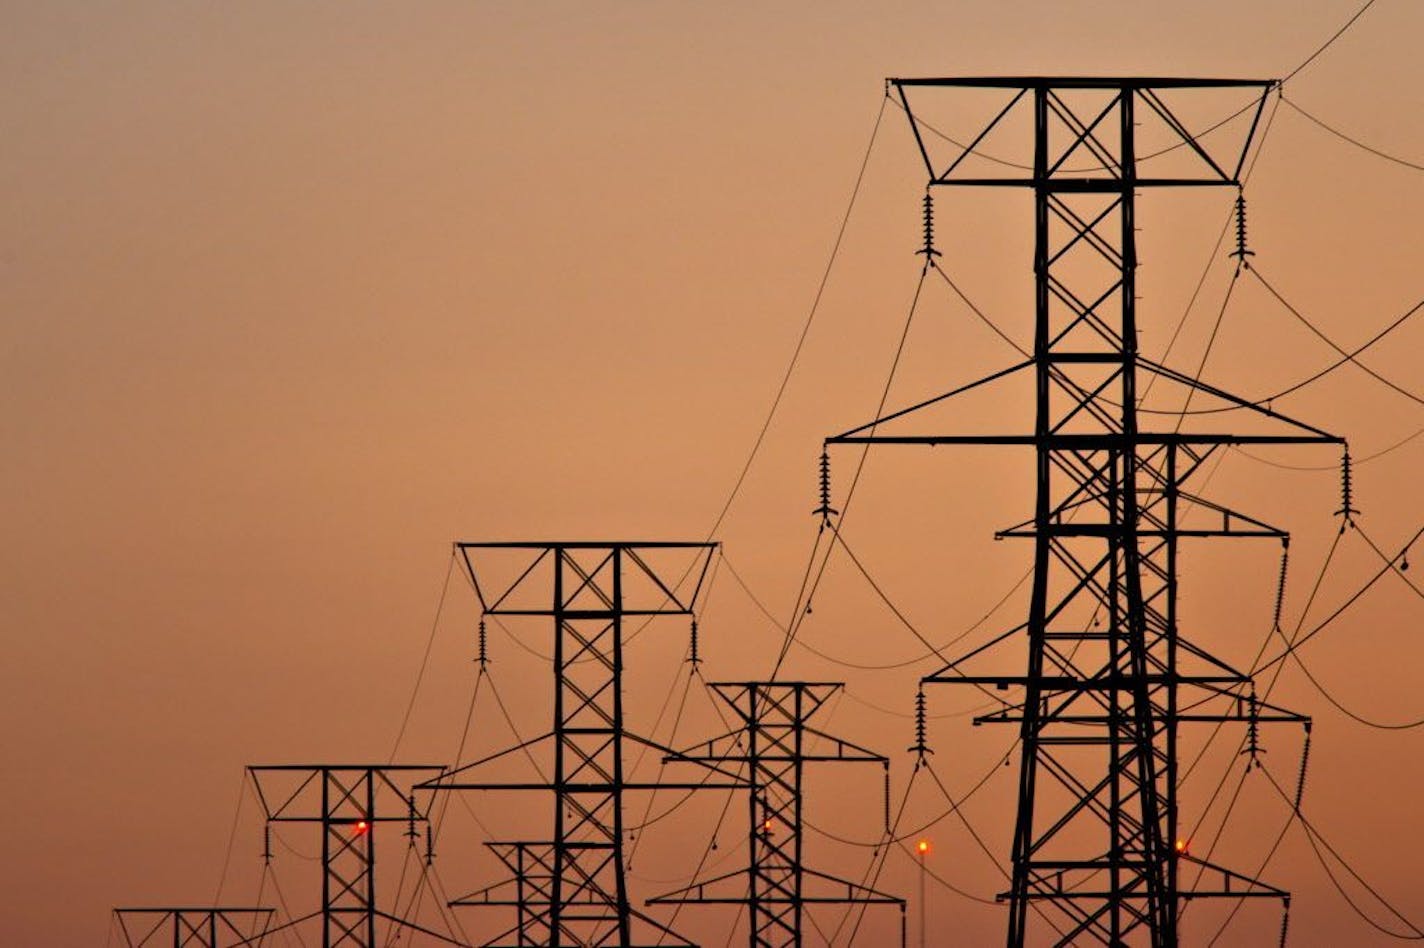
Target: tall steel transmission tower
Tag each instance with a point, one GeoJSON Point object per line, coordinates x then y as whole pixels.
{"type": "Point", "coordinates": [572, 890]}
{"type": "Point", "coordinates": [1107, 678]}
{"type": "Point", "coordinates": [774, 741]}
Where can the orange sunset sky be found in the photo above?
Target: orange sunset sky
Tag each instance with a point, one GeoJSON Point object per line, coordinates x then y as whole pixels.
{"type": "Point", "coordinates": [296, 294]}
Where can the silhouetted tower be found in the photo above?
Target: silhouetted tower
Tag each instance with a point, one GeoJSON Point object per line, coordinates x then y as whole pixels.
{"type": "Point", "coordinates": [349, 802]}
{"type": "Point", "coordinates": [193, 927]}
{"type": "Point", "coordinates": [575, 892]}
{"type": "Point", "coordinates": [531, 888]}
{"type": "Point", "coordinates": [1095, 842]}
{"type": "Point", "coordinates": [774, 742]}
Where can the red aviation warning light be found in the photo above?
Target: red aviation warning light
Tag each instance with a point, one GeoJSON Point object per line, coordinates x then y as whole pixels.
{"type": "Point", "coordinates": [360, 828]}
{"type": "Point", "coordinates": [923, 847]}
{"type": "Point", "coordinates": [1181, 847]}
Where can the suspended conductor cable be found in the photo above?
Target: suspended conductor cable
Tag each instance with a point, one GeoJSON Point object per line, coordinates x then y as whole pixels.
{"type": "Point", "coordinates": [1328, 43]}
{"type": "Point", "coordinates": [1352, 140]}
{"type": "Point", "coordinates": [231, 838]}
{"type": "Point", "coordinates": [794, 625]}
{"type": "Point", "coordinates": [806, 327]}
{"type": "Point", "coordinates": [1340, 610]}
{"type": "Point", "coordinates": [1344, 355]}
{"type": "Point", "coordinates": [1314, 837]}
{"type": "Point", "coordinates": [425, 659]}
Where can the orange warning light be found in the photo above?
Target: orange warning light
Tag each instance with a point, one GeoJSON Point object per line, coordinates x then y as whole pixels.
{"type": "Point", "coordinates": [923, 847]}
{"type": "Point", "coordinates": [766, 827]}
{"type": "Point", "coordinates": [360, 827]}
{"type": "Point", "coordinates": [1181, 846]}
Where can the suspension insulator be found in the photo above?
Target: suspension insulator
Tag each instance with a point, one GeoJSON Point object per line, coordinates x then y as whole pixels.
{"type": "Point", "coordinates": [267, 845]}
{"type": "Point", "coordinates": [484, 642]}
{"type": "Point", "coordinates": [928, 251]}
{"type": "Point", "coordinates": [1281, 584]}
{"type": "Point", "coordinates": [429, 845]}
{"type": "Point", "coordinates": [826, 511]}
{"type": "Point", "coordinates": [1304, 763]}
{"type": "Point", "coordinates": [1253, 731]}
{"type": "Point", "coordinates": [1241, 252]}
{"type": "Point", "coordinates": [1347, 507]}
{"type": "Point", "coordinates": [920, 748]}
{"type": "Point", "coordinates": [1285, 919]}
{"type": "Point", "coordinates": [693, 657]}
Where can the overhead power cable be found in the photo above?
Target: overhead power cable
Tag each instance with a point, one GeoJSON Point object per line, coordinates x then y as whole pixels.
{"type": "Point", "coordinates": [1314, 837]}
{"type": "Point", "coordinates": [1328, 43]}
{"type": "Point", "coordinates": [1350, 139]}
{"type": "Point", "coordinates": [806, 326]}
{"type": "Point", "coordinates": [1344, 355]}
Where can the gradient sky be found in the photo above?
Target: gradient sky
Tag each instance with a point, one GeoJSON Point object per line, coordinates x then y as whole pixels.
{"type": "Point", "coordinates": [297, 294]}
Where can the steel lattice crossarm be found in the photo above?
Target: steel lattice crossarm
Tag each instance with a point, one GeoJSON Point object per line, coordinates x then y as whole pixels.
{"type": "Point", "coordinates": [216, 927]}
{"type": "Point", "coordinates": [1106, 676]}
{"type": "Point", "coordinates": [348, 801]}
{"type": "Point", "coordinates": [773, 743]}
{"type": "Point", "coordinates": [576, 891]}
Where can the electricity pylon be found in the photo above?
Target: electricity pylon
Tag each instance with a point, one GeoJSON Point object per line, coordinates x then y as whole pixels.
{"type": "Point", "coordinates": [572, 890]}
{"type": "Point", "coordinates": [774, 742]}
{"type": "Point", "coordinates": [1106, 678]}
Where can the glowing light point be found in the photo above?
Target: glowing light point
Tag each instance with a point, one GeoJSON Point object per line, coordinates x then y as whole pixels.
{"type": "Point", "coordinates": [923, 847]}
{"type": "Point", "coordinates": [1182, 846]}
{"type": "Point", "coordinates": [360, 827]}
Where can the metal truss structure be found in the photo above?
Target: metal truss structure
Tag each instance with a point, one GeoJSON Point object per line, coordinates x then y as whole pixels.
{"type": "Point", "coordinates": [349, 802]}
{"type": "Point", "coordinates": [572, 890]}
{"type": "Point", "coordinates": [1107, 678]}
{"type": "Point", "coordinates": [193, 927]}
{"type": "Point", "coordinates": [773, 743]}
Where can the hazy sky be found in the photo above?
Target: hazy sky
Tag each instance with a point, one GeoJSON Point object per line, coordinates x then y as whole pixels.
{"type": "Point", "coordinates": [295, 294]}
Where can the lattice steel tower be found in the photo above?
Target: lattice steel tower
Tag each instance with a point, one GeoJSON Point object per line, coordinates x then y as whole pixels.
{"type": "Point", "coordinates": [572, 889]}
{"type": "Point", "coordinates": [774, 741]}
{"type": "Point", "coordinates": [1107, 678]}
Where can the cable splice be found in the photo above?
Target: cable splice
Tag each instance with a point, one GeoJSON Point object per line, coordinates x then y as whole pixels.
{"type": "Point", "coordinates": [928, 251]}
{"type": "Point", "coordinates": [1347, 507]}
